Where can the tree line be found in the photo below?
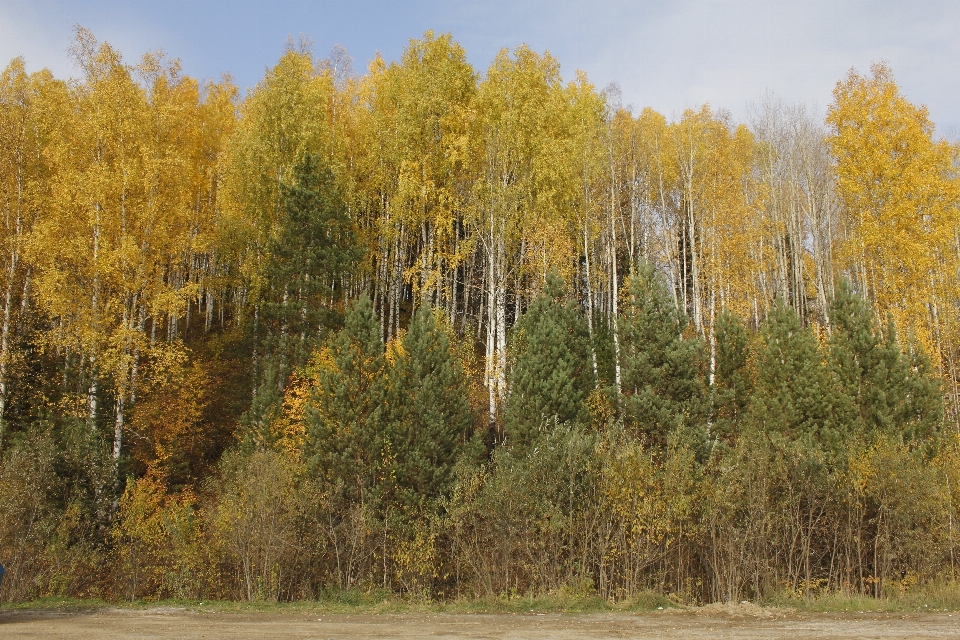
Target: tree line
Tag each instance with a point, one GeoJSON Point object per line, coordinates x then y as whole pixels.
{"type": "Point", "coordinates": [449, 333]}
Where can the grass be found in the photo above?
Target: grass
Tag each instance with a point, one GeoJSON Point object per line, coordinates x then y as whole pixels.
{"type": "Point", "coordinates": [58, 603]}
{"type": "Point", "coordinates": [373, 602]}
{"type": "Point", "coordinates": [933, 598]}
{"type": "Point", "coordinates": [943, 596]}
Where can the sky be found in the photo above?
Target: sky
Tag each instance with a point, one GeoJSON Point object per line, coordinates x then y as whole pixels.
{"type": "Point", "coordinates": [666, 55]}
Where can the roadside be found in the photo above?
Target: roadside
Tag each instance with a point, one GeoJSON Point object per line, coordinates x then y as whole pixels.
{"type": "Point", "coordinates": [714, 621]}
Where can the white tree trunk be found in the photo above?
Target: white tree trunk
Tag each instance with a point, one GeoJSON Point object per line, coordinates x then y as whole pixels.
{"type": "Point", "coordinates": [613, 270]}
{"type": "Point", "coordinates": [586, 254]}
{"type": "Point", "coordinates": [490, 372]}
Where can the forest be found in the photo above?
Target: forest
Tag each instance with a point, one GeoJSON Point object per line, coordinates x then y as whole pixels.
{"type": "Point", "coordinates": [449, 333]}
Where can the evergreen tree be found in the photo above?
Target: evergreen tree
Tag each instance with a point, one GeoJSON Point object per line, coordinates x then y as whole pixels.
{"type": "Point", "coordinates": [795, 396]}
{"type": "Point", "coordinates": [661, 369]}
{"type": "Point", "coordinates": [264, 409]}
{"type": "Point", "coordinates": [429, 416]}
{"type": "Point", "coordinates": [345, 444]}
{"type": "Point", "coordinates": [605, 349]}
{"type": "Point", "coordinates": [313, 247]}
{"type": "Point", "coordinates": [732, 384]}
{"type": "Point", "coordinates": [921, 418]}
{"type": "Point", "coordinates": [884, 390]}
{"type": "Point", "coordinates": [551, 375]}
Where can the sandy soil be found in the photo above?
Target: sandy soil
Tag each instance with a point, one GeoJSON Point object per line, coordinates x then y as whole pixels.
{"type": "Point", "coordinates": [707, 622]}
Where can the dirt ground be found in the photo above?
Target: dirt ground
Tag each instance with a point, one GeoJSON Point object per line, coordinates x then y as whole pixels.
{"type": "Point", "coordinates": [708, 622]}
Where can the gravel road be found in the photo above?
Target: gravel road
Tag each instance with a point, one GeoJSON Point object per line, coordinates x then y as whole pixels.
{"type": "Point", "coordinates": [706, 622]}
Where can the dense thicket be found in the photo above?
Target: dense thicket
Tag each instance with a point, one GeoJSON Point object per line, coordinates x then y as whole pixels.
{"type": "Point", "coordinates": [454, 333]}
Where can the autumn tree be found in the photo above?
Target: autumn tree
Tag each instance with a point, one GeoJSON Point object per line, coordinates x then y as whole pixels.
{"type": "Point", "coordinates": [514, 106]}
{"type": "Point", "coordinates": [899, 189]}
{"type": "Point", "coordinates": [800, 218]}
{"type": "Point", "coordinates": [119, 218]}
{"type": "Point", "coordinates": [33, 109]}
{"type": "Point", "coordinates": [420, 122]}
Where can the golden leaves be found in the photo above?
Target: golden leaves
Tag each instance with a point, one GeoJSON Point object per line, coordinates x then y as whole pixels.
{"type": "Point", "coordinates": [901, 193]}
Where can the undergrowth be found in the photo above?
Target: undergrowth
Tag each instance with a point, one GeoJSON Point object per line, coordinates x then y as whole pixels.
{"type": "Point", "coordinates": [937, 597]}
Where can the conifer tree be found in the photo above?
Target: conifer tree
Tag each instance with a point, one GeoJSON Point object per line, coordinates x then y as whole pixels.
{"type": "Point", "coordinates": [922, 416]}
{"type": "Point", "coordinates": [732, 384]}
{"type": "Point", "coordinates": [661, 369]}
{"type": "Point", "coordinates": [795, 396]}
{"type": "Point", "coordinates": [883, 391]}
{"type": "Point", "coordinates": [264, 409]}
{"type": "Point", "coordinates": [551, 375]}
{"type": "Point", "coordinates": [429, 416]}
{"type": "Point", "coordinates": [345, 443]}
{"type": "Point", "coordinates": [313, 247]}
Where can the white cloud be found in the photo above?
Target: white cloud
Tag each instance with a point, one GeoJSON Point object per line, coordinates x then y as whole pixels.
{"type": "Point", "coordinates": [667, 55]}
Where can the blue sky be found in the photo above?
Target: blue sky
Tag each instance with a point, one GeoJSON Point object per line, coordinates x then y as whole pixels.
{"type": "Point", "coordinates": [666, 55]}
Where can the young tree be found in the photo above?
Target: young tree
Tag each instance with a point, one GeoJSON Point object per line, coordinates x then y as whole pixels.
{"type": "Point", "coordinates": [429, 418]}
{"type": "Point", "coordinates": [662, 382]}
{"type": "Point", "coordinates": [551, 374]}
{"type": "Point", "coordinates": [795, 396]}
{"type": "Point", "coordinates": [885, 393]}
{"type": "Point", "coordinates": [346, 447]}
{"type": "Point", "coordinates": [732, 382]}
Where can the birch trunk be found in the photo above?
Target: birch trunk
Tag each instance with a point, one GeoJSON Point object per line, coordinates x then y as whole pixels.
{"type": "Point", "coordinates": [94, 299]}
{"type": "Point", "coordinates": [615, 293]}
{"type": "Point", "coordinates": [492, 315]}
{"type": "Point", "coordinates": [586, 254]}
{"type": "Point", "coordinates": [5, 333]}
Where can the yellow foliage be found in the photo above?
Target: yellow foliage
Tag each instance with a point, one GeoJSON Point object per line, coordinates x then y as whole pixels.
{"type": "Point", "coordinates": [167, 426]}
{"type": "Point", "coordinates": [901, 193]}
{"type": "Point", "coordinates": [289, 429]}
{"type": "Point", "coordinates": [159, 541]}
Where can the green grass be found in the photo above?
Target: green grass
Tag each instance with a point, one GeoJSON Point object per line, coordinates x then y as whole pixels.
{"type": "Point", "coordinates": [58, 603]}
{"type": "Point", "coordinates": [374, 602]}
{"type": "Point", "coordinates": [933, 597]}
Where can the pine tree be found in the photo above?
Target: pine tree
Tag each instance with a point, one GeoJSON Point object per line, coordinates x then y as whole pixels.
{"type": "Point", "coordinates": [429, 416]}
{"type": "Point", "coordinates": [345, 445]}
{"type": "Point", "coordinates": [732, 384]}
{"type": "Point", "coordinates": [551, 374]}
{"type": "Point", "coordinates": [662, 383]}
{"type": "Point", "coordinates": [795, 396]}
{"type": "Point", "coordinates": [255, 423]}
{"type": "Point", "coordinates": [313, 248]}
{"type": "Point", "coordinates": [885, 391]}
{"type": "Point", "coordinates": [922, 415]}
